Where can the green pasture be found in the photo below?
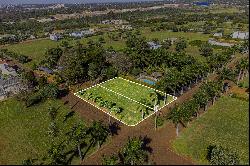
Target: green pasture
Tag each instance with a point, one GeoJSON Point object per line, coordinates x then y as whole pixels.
{"type": "Point", "coordinates": [226, 124]}
{"type": "Point", "coordinates": [24, 131]}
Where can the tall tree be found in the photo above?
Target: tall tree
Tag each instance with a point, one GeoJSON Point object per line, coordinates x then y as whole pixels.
{"type": "Point", "coordinates": [98, 132]}
{"type": "Point", "coordinates": [133, 152]}
{"type": "Point", "coordinates": [77, 134]}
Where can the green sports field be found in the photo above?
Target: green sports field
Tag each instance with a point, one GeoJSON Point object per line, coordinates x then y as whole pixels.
{"type": "Point", "coordinates": [129, 96]}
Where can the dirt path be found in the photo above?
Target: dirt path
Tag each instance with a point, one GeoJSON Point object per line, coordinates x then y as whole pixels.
{"type": "Point", "coordinates": [159, 140]}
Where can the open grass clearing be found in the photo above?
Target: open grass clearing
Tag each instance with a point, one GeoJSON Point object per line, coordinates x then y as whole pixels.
{"type": "Point", "coordinates": [161, 35]}
{"type": "Point", "coordinates": [226, 124]}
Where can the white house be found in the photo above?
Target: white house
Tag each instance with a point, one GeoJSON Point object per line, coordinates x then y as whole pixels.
{"type": "Point", "coordinates": [76, 34]}
{"type": "Point", "coordinates": [217, 35]}
{"type": "Point", "coordinates": [214, 42]}
{"type": "Point", "coordinates": [240, 35]}
{"type": "Point", "coordinates": [128, 27]}
{"type": "Point", "coordinates": [81, 34]}
{"type": "Point", "coordinates": [55, 37]}
{"type": "Point", "coordinates": [154, 45]}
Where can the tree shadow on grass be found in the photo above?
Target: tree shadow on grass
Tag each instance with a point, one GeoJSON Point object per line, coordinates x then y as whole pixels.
{"type": "Point", "coordinates": [73, 153]}
{"type": "Point", "coordinates": [63, 93]}
{"type": "Point", "coordinates": [68, 115]}
{"type": "Point", "coordinates": [209, 151]}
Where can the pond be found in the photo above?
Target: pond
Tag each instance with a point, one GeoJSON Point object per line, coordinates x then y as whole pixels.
{"type": "Point", "coordinates": [148, 81]}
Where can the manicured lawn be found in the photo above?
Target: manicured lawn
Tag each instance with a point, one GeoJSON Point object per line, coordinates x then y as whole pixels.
{"type": "Point", "coordinates": [130, 114]}
{"type": "Point", "coordinates": [23, 131]}
{"type": "Point", "coordinates": [226, 124]}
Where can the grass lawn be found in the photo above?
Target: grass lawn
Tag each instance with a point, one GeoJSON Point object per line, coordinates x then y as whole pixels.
{"type": "Point", "coordinates": [225, 123]}
{"type": "Point", "coordinates": [34, 49]}
{"type": "Point", "coordinates": [245, 82]}
{"type": "Point", "coordinates": [161, 35]}
{"type": "Point", "coordinates": [23, 131]}
{"type": "Point", "coordinates": [130, 114]}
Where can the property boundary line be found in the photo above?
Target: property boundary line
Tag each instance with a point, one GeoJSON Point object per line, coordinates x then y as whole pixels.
{"type": "Point", "coordinates": [76, 94]}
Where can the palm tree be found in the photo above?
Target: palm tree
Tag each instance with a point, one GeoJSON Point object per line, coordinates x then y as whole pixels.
{"type": "Point", "coordinates": [175, 115]}
{"type": "Point", "coordinates": [201, 99]}
{"type": "Point", "coordinates": [133, 152]}
{"type": "Point", "coordinates": [155, 98]}
{"type": "Point", "coordinates": [55, 155]}
{"type": "Point", "coordinates": [144, 110]}
{"type": "Point", "coordinates": [76, 135]}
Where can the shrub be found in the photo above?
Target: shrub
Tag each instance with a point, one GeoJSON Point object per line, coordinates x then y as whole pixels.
{"type": "Point", "coordinates": [116, 109]}
{"type": "Point", "coordinates": [218, 155]}
{"type": "Point", "coordinates": [34, 99]}
{"type": "Point", "coordinates": [159, 121]}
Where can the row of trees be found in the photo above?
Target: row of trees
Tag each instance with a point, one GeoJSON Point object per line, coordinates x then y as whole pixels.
{"type": "Point", "coordinates": [185, 112]}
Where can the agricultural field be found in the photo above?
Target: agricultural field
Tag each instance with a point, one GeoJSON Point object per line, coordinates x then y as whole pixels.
{"type": "Point", "coordinates": [225, 124]}
{"type": "Point", "coordinates": [126, 101]}
{"type": "Point", "coordinates": [24, 131]}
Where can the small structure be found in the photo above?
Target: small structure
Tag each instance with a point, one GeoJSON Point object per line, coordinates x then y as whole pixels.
{"type": "Point", "coordinates": [46, 70]}
{"type": "Point", "coordinates": [9, 85]}
{"type": "Point", "coordinates": [128, 27]}
{"type": "Point", "coordinates": [202, 4]}
{"type": "Point", "coordinates": [115, 22]}
{"type": "Point", "coordinates": [5, 69]}
{"type": "Point", "coordinates": [32, 37]}
{"type": "Point", "coordinates": [76, 34]}
{"type": "Point", "coordinates": [214, 42]}
{"type": "Point", "coordinates": [156, 75]}
{"type": "Point", "coordinates": [172, 39]}
{"type": "Point", "coordinates": [81, 34]}
{"type": "Point", "coordinates": [217, 35]}
{"type": "Point", "coordinates": [87, 32]}
{"type": "Point", "coordinates": [55, 37]}
{"type": "Point", "coordinates": [240, 35]}
{"type": "Point", "coordinates": [153, 45]}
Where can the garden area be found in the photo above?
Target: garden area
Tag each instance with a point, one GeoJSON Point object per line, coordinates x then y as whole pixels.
{"type": "Point", "coordinates": [125, 100]}
{"type": "Point", "coordinates": [225, 124]}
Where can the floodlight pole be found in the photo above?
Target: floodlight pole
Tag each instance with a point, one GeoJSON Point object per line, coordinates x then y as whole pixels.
{"type": "Point", "coordinates": [165, 96]}
{"type": "Point", "coordinates": [155, 109]}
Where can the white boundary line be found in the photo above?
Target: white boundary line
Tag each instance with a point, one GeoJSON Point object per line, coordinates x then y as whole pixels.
{"type": "Point", "coordinates": [125, 97]}
{"type": "Point", "coordinates": [76, 94]}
